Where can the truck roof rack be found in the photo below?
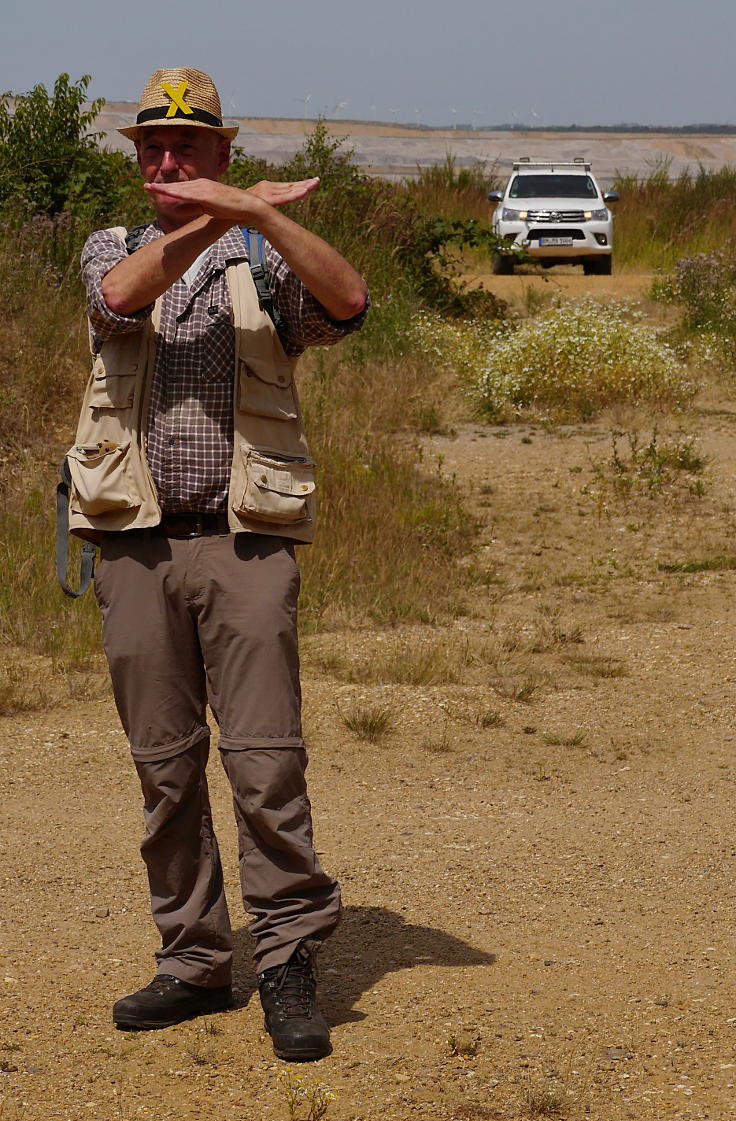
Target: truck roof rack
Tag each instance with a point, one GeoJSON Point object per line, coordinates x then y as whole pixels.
{"type": "Point", "coordinates": [551, 165]}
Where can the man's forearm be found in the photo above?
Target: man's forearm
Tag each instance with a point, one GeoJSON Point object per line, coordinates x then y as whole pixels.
{"type": "Point", "coordinates": [325, 272]}
{"type": "Point", "coordinates": [146, 274]}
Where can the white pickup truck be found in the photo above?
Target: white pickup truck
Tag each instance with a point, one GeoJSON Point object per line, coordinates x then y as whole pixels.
{"type": "Point", "coordinates": [555, 211]}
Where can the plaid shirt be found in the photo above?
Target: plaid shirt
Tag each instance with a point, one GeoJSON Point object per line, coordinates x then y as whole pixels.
{"type": "Point", "coordinates": [190, 419]}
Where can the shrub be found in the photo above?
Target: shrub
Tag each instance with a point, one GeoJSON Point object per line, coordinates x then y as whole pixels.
{"type": "Point", "coordinates": [571, 362]}
{"type": "Point", "coordinates": [460, 346]}
{"type": "Point", "coordinates": [42, 142]}
{"type": "Point", "coordinates": [704, 285]}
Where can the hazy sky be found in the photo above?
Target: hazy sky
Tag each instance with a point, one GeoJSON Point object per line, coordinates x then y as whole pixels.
{"type": "Point", "coordinates": [431, 61]}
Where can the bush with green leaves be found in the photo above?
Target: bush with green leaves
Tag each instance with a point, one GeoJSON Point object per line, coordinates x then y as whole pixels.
{"type": "Point", "coordinates": [44, 138]}
{"type": "Point", "coordinates": [50, 162]}
{"type": "Point", "coordinates": [571, 362]}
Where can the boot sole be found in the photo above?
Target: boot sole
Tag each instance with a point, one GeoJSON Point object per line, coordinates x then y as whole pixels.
{"type": "Point", "coordinates": [301, 1056]}
{"type": "Point", "coordinates": [305, 1054]}
{"type": "Point", "coordinates": [130, 1023]}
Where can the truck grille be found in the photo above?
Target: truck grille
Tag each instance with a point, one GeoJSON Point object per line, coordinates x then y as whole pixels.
{"type": "Point", "coordinates": [556, 231]}
{"type": "Point", "coordinates": [554, 216]}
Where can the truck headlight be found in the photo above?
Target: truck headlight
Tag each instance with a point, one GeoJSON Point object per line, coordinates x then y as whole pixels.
{"type": "Point", "coordinates": [509, 215]}
{"type": "Point", "coordinates": [595, 215]}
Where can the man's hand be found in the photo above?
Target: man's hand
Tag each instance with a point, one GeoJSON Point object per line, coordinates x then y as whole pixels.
{"type": "Point", "coordinates": [240, 207]}
{"type": "Point", "coordinates": [140, 278]}
{"type": "Point", "coordinates": [327, 275]}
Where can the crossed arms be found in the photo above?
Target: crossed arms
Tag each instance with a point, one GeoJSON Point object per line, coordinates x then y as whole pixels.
{"type": "Point", "coordinates": [146, 274]}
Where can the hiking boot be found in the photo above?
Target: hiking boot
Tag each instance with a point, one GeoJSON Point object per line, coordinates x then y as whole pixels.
{"type": "Point", "coordinates": [167, 1001]}
{"type": "Point", "coordinates": [295, 1024]}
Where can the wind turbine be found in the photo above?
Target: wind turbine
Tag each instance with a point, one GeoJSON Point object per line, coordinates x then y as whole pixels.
{"type": "Point", "coordinates": [338, 107]}
{"type": "Point", "coordinates": [305, 102]}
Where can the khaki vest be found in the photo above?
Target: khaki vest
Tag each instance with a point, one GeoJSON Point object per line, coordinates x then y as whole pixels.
{"type": "Point", "coordinates": [272, 475]}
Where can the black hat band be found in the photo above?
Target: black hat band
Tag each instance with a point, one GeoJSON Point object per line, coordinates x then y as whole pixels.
{"type": "Point", "coordinates": [159, 113]}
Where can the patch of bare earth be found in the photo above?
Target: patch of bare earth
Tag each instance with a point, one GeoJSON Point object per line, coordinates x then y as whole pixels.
{"type": "Point", "coordinates": [537, 859]}
{"type": "Point", "coordinates": [531, 285]}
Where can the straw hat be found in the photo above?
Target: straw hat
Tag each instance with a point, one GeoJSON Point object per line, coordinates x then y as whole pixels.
{"type": "Point", "coordinates": [179, 95]}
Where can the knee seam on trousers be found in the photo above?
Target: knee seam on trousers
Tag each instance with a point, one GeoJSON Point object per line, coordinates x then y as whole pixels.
{"type": "Point", "coordinates": [169, 750]}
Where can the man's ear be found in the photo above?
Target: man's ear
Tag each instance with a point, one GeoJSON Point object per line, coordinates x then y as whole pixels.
{"type": "Point", "coordinates": [223, 156]}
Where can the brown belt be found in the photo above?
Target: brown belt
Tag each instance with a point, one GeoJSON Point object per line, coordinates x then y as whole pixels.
{"type": "Point", "coordinates": [192, 525]}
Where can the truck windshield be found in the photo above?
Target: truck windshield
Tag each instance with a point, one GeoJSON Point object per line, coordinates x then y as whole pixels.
{"type": "Point", "coordinates": [553, 186]}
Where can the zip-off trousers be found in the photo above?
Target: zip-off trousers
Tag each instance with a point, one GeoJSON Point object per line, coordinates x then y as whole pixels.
{"type": "Point", "coordinates": [213, 618]}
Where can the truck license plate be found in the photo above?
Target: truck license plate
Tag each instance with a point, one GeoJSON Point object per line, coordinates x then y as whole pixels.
{"type": "Point", "coordinates": [555, 241]}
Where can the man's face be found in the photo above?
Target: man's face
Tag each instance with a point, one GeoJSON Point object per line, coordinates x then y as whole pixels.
{"type": "Point", "coordinates": [175, 154]}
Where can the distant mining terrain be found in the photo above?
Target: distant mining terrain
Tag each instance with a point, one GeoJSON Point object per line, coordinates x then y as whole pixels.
{"type": "Point", "coordinates": [396, 151]}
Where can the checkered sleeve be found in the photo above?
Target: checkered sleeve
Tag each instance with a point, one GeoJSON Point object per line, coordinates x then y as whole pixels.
{"type": "Point", "coordinates": [307, 321]}
{"type": "Point", "coordinates": [102, 251]}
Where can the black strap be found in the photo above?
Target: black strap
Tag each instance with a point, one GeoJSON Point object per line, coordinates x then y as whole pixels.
{"type": "Point", "coordinates": [259, 272]}
{"type": "Point", "coordinates": [134, 237]}
{"type": "Point", "coordinates": [87, 562]}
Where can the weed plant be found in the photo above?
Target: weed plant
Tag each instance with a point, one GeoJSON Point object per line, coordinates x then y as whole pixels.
{"type": "Point", "coordinates": [43, 341]}
{"type": "Point", "coordinates": [445, 190]}
{"type": "Point", "coordinates": [703, 287]}
{"type": "Point", "coordinates": [556, 739]}
{"type": "Point", "coordinates": [572, 362]}
{"type": "Point", "coordinates": [653, 467]}
{"type": "Point", "coordinates": [368, 722]}
{"type": "Point", "coordinates": [305, 1100]}
{"type": "Point", "coordinates": [596, 665]}
{"type": "Point", "coordinates": [659, 219]}
{"type": "Point", "coordinates": [34, 614]}
{"type": "Point", "coordinates": [720, 563]}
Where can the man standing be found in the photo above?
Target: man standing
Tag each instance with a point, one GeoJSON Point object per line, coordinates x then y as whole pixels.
{"type": "Point", "coordinates": [191, 469]}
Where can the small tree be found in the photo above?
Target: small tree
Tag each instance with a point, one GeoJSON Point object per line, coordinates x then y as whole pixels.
{"type": "Point", "coordinates": [44, 142]}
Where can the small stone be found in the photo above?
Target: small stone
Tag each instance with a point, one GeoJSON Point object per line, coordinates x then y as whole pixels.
{"type": "Point", "coordinates": [615, 1054]}
{"type": "Point", "coordinates": [102, 912]}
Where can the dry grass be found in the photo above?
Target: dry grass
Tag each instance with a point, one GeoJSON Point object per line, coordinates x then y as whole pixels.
{"type": "Point", "coordinates": [368, 722]}
{"type": "Point", "coordinates": [596, 665]}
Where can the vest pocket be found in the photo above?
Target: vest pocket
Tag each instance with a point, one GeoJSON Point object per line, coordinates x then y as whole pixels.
{"type": "Point", "coordinates": [111, 390]}
{"type": "Point", "coordinates": [101, 479]}
{"type": "Point", "coordinates": [266, 389]}
{"type": "Point", "coordinates": [276, 488]}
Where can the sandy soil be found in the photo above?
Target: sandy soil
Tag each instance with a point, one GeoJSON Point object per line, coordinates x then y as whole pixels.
{"type": "Point", "coordinates": [537, 861]}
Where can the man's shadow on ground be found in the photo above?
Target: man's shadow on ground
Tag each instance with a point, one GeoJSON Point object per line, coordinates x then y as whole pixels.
{"type": "Point", "coordinates": [369, 943]}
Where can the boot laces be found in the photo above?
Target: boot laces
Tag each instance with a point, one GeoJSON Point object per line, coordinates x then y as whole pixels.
{"type": "Point", "coordinates": [163, 983]}
{"type": "Point", "coordinates": [295, 986]}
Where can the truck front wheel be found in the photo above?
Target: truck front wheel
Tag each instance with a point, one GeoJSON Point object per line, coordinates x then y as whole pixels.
{"type": "Point", "coordinates": [501, 265]}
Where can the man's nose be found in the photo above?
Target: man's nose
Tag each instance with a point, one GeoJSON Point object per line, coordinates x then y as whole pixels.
{"type": "Point", "coordinates": [168, 163]}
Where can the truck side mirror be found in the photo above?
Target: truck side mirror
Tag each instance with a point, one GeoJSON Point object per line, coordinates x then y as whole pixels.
{"type": "Point", "coordinates": [496, 196]}
{"type": "Point", "coordinates": [610, 196]}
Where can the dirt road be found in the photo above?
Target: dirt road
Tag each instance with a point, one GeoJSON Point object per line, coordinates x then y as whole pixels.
{"type": "Point", "coordinates": [537, 861]}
